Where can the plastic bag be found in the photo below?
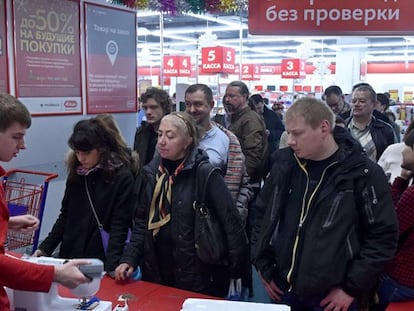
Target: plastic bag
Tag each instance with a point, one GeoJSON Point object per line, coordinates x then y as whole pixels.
{"type": "Point", "coordinates": [105, 238]}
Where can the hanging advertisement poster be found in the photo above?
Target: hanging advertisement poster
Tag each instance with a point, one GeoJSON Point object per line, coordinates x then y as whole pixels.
{"type": "Point", "coordinates": [47, 56]}
{"type": "Point", "coordinates": [321, 17]}
{"type": "Point", "coordinates": [111, 62]}
{"type": "Point", "coordinates": [4, 81]}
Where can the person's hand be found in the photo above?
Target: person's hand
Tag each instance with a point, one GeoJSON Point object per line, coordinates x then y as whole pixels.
{"type": "Point", "coordinates": [39, 253]}
{"type": "Point", "coordinates": [337, 300]}
{"type": "Point", "coordinates": [406, 174]}
{"type": "Point", "coordinates": [23, 223]}
{"type": "Point", "coordinates": [271, 288]}
{"type": "Point", "coordinates": [69, 275]}
{"type": "Point", "coordinates": [123, 271]}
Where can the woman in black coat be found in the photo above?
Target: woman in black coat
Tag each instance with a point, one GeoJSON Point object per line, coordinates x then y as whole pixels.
{"type": "Point", "coordinates": [163, 242]}
{"type": "Point", "coordinates": [100, 180]}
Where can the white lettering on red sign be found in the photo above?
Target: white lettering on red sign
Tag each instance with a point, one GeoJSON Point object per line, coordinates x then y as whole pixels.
{"type": "Point", "coordinates": [322, 15]}
{"type": "Point", "coordinates": [228, 66]}
{"type": "Point", "coordinates": [211, 66]}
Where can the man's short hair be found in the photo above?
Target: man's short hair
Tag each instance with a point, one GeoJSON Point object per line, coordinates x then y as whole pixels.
{"type": "Point", "coordinates": [12, 110]}
{"type": "Point", "coordinates": [384, 100]}
{"type": "Point", "coordinates": [365, 87]}
{"type": "Point", "coordinates": [208, 93]}
{"type": "Point", "coordinates": [313, 110]}
{"type": "Point", "coordinates": [333, 89]}
{"type": "Point", "coordinates": [257, 99]}
{"type": "Point", "coordinates": [243, 89]}
{"type": "Point", "coordinates": [361, 84]}
{"type": "Point", "coordinates": [160, 96]}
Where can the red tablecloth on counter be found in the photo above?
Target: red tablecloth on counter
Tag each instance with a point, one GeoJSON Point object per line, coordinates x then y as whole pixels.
{"type": "Point", "coordinates": [144, 296]}
{"type": "Point", "coordinates": [401, 306]}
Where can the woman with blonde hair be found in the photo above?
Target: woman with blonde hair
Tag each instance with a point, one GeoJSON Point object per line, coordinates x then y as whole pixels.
{"type": "Point", "coordinates": [163, 240]}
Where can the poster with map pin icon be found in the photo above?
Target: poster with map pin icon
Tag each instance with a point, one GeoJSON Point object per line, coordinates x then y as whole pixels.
{"type": "Point", "coordinates": [112, 51]}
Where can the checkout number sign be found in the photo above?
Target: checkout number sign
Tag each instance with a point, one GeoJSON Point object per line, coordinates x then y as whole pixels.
{"type": "Point", "coordinates": [293, 68]}
{"type": "Point", "coordinates": [177, 66]}
{"type": "Point", "coordinates": [218, 59]}
{"type": "Point", "coordinates": [250, 72]}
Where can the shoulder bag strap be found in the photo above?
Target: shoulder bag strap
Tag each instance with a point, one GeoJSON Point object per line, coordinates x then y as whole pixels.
{"type": "Point", "coordinates": [91, 204]}
{"type": "Point", "coordinates": [201, 194]}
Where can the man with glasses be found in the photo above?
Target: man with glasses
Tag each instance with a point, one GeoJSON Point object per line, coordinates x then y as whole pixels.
{"type": "Point", "coordinates": [336, 101]}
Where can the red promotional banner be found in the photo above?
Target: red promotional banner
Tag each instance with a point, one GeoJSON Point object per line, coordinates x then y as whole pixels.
{"type": "Point", "coordinates": [111, 62]}
{"type": "Point", "coordinates": [218, 59]}
{"type": "Point", "coordinates": [293, 68]}
{"type": "Point", "coordinates": [250, 72]}
{"type": "Point", "coordinates": [321, 17]}
{"type": "Point", "coordinates": [307, 88]}
{"type": "Point", "coordinates": [297, 88]}
{"type": "Point", "coordinates": [177, 66]}
{"type": "Point", "coordinates": [318, 89]}
{"type": "Point", "coordinates": [4, 80]}
{"type": "Point", "coordinates": [283, 88]}
{"type": "Point", "coordinates": [47, 56]}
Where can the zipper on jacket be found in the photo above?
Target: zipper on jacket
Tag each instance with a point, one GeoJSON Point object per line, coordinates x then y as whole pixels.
{"type": "Point", "coordinates": [303, 215]}
{"type": "Point", "coordinates": [368, 205]}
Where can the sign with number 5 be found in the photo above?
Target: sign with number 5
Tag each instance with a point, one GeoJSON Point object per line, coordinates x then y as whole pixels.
{"type": "Point", "coordinates": [218, 59]}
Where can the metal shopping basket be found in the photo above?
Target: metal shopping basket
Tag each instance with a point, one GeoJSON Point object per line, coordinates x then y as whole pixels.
{"type": "Point", "coordinates": [25, 193]}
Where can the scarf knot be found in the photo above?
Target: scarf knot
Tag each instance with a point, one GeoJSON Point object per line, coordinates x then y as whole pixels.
{"type": "Point", "coordinates": [160, 209]}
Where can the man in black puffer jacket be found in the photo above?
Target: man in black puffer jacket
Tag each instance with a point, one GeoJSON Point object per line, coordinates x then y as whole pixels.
{"type": "Point", "coordinates": [326, 225]}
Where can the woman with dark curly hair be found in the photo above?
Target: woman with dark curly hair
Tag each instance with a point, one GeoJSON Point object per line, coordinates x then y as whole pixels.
{"type": "Point", "coordinates": [99, 193]}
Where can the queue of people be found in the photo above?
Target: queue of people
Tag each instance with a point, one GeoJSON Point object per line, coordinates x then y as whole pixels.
{"type": "Point", "coordinates": [302, 199]}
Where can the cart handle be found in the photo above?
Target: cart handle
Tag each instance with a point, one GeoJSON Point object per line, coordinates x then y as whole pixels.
{"type": "Point", "coordinates": [49, 176]}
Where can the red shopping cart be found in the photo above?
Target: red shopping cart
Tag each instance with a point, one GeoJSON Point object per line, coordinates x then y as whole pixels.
{"type": "Point", "coordinates": [25, 193]}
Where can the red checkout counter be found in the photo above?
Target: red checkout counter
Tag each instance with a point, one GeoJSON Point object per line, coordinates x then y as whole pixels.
{"type": "Point", "coordinates": [143, 296]}
{"type": "Point", "coordinates": [401, 306]}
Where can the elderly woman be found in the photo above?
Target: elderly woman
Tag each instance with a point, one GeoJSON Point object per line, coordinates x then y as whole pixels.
{"type": "Point", "coordinates": [163, 240]}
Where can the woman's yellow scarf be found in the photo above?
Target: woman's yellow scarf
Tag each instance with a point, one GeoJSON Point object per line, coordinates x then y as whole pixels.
{"type": "Point", "coordinates": [160, 209]}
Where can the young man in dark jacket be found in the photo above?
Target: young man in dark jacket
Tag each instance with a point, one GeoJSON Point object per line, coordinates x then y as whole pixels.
{"type": "Point", "coordinates": [326, 225]}
{"type": "Point", "coordinates": [156, 103]}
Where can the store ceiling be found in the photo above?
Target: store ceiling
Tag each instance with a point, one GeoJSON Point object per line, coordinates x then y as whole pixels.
{"type": "Point", "coordinates": [186, 34]}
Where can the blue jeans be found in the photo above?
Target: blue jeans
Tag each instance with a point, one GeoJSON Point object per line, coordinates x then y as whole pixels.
{"type": "Point", "coordinates": [391, 291]}
{"type": "Point", "coordinates": [307, 304]}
